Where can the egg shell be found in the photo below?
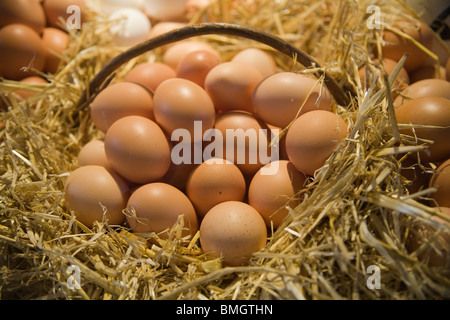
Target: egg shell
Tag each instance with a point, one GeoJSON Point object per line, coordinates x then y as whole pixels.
{"type": "Point", "coordinates": [93, 153]}
{"type": "Point", "coordinates": [20, 46]}
{"type": "Point", "coordinates": [167, 10]}
{"type": "Point", "coordinates": [367, 73]}
{"type": "Point", "coordinates": [428, 71]}
{"type": "Point", "coordinates": [231, 85]}
{"type": "Point", "coordinates": [447, 69]}
{"type": "Point", "coordinates": [278, 98]}
{"type": "Point", "coordinates": [155, 207]}
{"type": "Point", "coordinates": [429, 111]}
{"type": "Point", "coordinates": [271, 193]}
{"type": "Point", "coordinates": [55, 42]}
{"type": "Point", "coordinates": [234, 231]}
{"type": "Point", "coordinates": [437, 252]}
{"type": "Point", "coordinates": [30, 13]}
{"type": "Point", "coordinates": [119, 100]}
{"type": "Point", "coordinates": [137, 149]}
{"type": "Point", "coordinates": [242, 135]}
{"type": "Point", "coordinates": [395, 45]}
{"type": "Point", "coordinates": [179, 103]}
{"type": "Point", "coordinates": [25, 94]}
{"type": "Point", "coordinates": [312, 138]}
{"type": "Point", "coordinates": [56, 12]}
{"type": "Point", "coordinates": [161, 27]}
{"type": "Point", "coordinates": [257, 58]}
{"type": "Point", "coordinates": [175, 53]}
{"type": "Point", "coordinates": [418, 176]}
{"type": "Point", "coordinates": [132, 26]}
{"type": "Point", "coordinates": [424, 88]}
{"type": "Point", "coordinates": [150, 74]}
{"type": "Point", "coordinates": [90, 188]}
{"type": "Point", "coordinates": [196, 65]}
{"type": "Point", "coordinates": [441, 181]}
{"type": "Point", "coordinates": [214, 181]}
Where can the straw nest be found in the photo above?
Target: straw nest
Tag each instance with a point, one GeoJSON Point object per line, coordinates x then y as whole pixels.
{"type": "Point", "coordinates": [356, 212]}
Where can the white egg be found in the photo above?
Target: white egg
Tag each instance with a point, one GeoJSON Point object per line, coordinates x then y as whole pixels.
{"type": "Point", "coordinates": [132, 26]}
{"type": "Point", "coordinates": [165, 10]}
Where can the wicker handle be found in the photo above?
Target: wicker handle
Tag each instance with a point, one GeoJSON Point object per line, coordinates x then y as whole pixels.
{"type": "Point", "coordinates": [189, 31]}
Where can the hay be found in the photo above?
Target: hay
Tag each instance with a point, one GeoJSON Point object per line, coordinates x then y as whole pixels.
{"type": "Point", "coordinates": [356, 211]}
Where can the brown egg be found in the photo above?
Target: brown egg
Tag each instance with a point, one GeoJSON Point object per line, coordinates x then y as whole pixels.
{"type": "Point", "coordinates": [93, 153]}
{"type": "Point", "coordinates": [58, 14]}
{"type": "Point", "coordinates": [20, 46]}
{"type": "Point", "coordinates": [427, 71]}
{"type": "Point", "coordinates": [447, 69]}
{"type": "Point", "coordinates": [242, 136]}
{"type": "Point", "coordinates": [177, 51]}
{"type": "Point", "coordinates": [155, 207]}
{"type": "Point", "coordinates": [271, 193]}
{"type": "Point", "coordinates": [424, 88]}
{"type": "Point", "coordinates": [259, 59]}
{"type": "Point", "coordinates": [196, 65]}
{"type": "Point", "coordinates": [418, 176]}
{"type": "Point", "coordinates": [30, 13]}
{"type": "Point", "coordinates": [278, 98]}
{"type": "Point", "coordinates": [441, 181]}
{"type": "Point", "coordinates": [366, 74]}
{"type": "Point", "coordinates": [231, 85]}
{"type": "Point", "coordinates": [24, 93]}
{"type": "Point", "coordinates": [150, 74]}
{"type": "Point", "coordinates": [55, 42]}
{"type": "Point", "coordinates": [234, 231]}
{"type": "Point", "coordinates": [162, 27]}
{"type": "Point", "coordinates": [182, 105]}
{"type": "Point", "coordinates": [137, 149]}
{"type": "Point", "coordinates": [119, 100]}
{"type": "Point", "coordinates": [214, 181]}
{"type": "Point", "coordinates": [93, 192]}
{"type": "Point", "coordinates": [312, 138]}
{"type": "Point", "coordinates": [428, 111]}
{"type": "Point", "coordinates": [395, 45]}
{"type": "Point", "coordinates": [436, 253]}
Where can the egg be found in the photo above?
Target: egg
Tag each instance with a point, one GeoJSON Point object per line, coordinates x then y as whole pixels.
{"type": "Point", "coordinates": [155, 207]}
{"type": "Point", "coordinates": [119, 100]}
{"type": "Point", "coordinates": [312, 138]}
{"type": "Point", "coordinates": [271, 193]}
{"type": "Point", "coordinates": [214, 181]}
{"type": "Point", "coordinates": [180, 104]}
{"type": "Point", "coordinates": [196, 65]}
{"type": "Point", "coordinates": [93, 153]}
{"type": "Point", "coordinates": [234, 231]}
{"type": "Point", "coordinates": [55, 42]}
{"type": "Point", "coordinates": [58, 13]}
{"type": "Point", "coordinates": [150, 74]}
{"type": "Point", "coordinates": [92, 193]}
{"type": "Point", "coordinates": [30, 13]}
{"type": "Point", "coordinates": [447, 69]}
{"type": "Point", "coordinates": [165, 10]}
{"type": "Point", "coordinates": [441, 181]}
{"type": "Point", "coordinates": [231, 85]}
{"type": "Point", "coordinates": [109, 6]}
{"type": "Point", "coordinates": [424, 88]}
{"type": "Point", "coordinates": [137, 149]}
{"type": "Point", "coordinates": [175, 53]}
{"type": "Point", "coordinates": [20, 46]}
{"type": "Point", "coordinates": [162, 27]}
{"type": "Point", "coordinates": [395, 45]}
{"type": "Point", "coordinates": [243, 135]}
{"type": "Point", "coordinates": [427, 111]}
{"type": "Point", "coordinates": [278, 98]}
{"type": "Point", "coordinates": [259, 59]}
{"type": "Point", "coordinates": [366, 74]}
{"type": "Point", "coordinates": [436, 253]}
{"type": "Point", "coordinates": [24, 93]}
{"type": "Point", "coordinates": [428, 71]}
{"type": "Point", "coordinates": [131, 27]}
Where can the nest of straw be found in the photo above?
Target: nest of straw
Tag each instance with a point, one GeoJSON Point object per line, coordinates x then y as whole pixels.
{"type": "Point", "coordinates": [356, 211]}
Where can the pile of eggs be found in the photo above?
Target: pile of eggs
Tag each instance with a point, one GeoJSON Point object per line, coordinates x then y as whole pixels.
{"type": "Point", "coordinates": [32, 36]}
{"type": "Point", "coordinates": [191, 136]}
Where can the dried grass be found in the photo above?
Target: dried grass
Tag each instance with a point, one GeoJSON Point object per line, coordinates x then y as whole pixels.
{"type": "Point", "coordinates": [356, 213]}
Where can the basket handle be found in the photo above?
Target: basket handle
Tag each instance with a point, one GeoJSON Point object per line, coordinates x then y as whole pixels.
{"type": "Point", "coordinates": [98, 82]}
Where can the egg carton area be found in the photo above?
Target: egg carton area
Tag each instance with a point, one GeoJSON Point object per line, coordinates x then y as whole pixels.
{"type": "Point", "coordinates": [223, 150]}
